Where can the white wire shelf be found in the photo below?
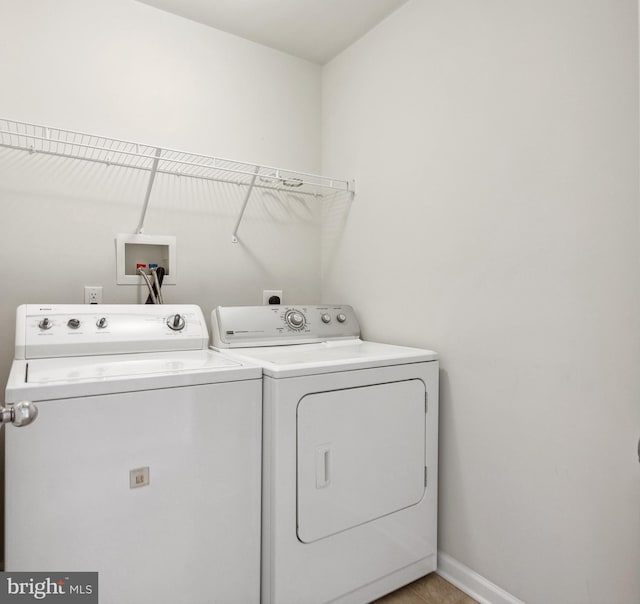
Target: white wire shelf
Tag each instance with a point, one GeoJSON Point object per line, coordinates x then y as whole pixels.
{"type": "Point", "coordinates": [34, 138]}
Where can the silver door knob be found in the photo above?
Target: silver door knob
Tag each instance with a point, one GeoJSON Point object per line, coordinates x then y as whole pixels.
{"type": "Point", "coordinates": [19, 414]}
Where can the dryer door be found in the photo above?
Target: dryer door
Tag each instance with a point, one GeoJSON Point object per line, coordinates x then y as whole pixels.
{"type": "Point", "coordinates": [361, 455]}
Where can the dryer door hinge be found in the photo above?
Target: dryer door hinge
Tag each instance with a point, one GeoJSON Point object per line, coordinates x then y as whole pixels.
{"type": "Point", "coordinates": [425, 475]}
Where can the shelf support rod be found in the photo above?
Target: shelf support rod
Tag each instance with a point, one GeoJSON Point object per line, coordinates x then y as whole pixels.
{"type": "Point", "coordinates": [152, 177]}
{"type": "Point", "coordinates": [234, 237]}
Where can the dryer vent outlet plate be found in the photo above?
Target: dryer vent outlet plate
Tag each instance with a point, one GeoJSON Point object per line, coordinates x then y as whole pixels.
{"type": "Point", "coordinates": [271, 297]}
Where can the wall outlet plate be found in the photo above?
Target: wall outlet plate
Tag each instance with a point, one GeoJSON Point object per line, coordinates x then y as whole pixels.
{"type": "Point", "coordinates": [267, 294]}
{"type": "Point", "coordinates": [93, 294]}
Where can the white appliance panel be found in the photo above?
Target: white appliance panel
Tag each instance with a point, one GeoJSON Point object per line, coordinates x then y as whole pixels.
{"type": "Point", "coordinates": [248, 326]}
{"type": "Point", "coordinates": [46, 379]}
{"type": "Point", "coordinates": [191, 535]}
{"type": "Point", "coordinates": [71, 330]}
{"type": "Point", "coordinates": [361, 455]}
{"type": "Point", "coordinates": [47, 371]}
{"type": "Point", "coordinates": [356, 565]}
{"type": "Point", "coordinates": [328, 357]}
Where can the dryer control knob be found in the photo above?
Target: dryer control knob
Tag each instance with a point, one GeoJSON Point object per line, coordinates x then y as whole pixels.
{"type": "Point", "coordinates": [341, 318]}
{"type": "Point", "coordinates": [176, 322]}
{"type": "Point", "coordinates": [295, 319]}
{"type": "Point", "coordinates": [326, 318]}
{"type": "Point", "coordinates": [73, 323]}
{"type": "Point", "coordinates": [45, 324]}
{"type": "Point", "coordinates": [102, 322]}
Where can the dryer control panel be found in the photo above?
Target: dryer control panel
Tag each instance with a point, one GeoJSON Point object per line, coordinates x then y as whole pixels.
{"type": "Point", "coordinates": [248, 326]}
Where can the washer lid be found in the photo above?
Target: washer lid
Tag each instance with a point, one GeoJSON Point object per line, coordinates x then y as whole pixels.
{"type": "Point", "coordinates": [327, 357]}
{"type": "Point", "coordinates": [41, 379]}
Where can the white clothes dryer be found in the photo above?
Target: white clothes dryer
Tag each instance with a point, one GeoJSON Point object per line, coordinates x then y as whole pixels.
{"type": "Point", "coordinates": [143, 463]}
{"type": "Point", "coordinates": [350, 431]}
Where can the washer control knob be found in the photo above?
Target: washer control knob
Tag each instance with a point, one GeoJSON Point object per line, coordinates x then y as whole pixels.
{"type": "Point", "coordinates": [341, 317]}
{"type": "Point", "coordinates": [176, 322]}
{"type": "Point", "coordinates": [326, 318]}
{"type": "Point", "coordinates": [45, 324]}
{"type": "Point", "coordinates": [295, 319]}
{"type": "Point", "coordinates": [73, 323]}
{"type": "Point", "coordinates": [102, 322]}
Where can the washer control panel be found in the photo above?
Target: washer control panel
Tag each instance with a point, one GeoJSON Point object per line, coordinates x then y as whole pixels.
{"type": "Point", "coordinates": [248, 326]}
{"type": "Point", "coordinates": [58, 330]}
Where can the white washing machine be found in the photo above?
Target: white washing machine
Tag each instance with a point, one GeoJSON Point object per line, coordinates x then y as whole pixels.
{"type": "Point", "coordinates": [350, 431]}
{"type": "Point", "coordinates": [144, 460]}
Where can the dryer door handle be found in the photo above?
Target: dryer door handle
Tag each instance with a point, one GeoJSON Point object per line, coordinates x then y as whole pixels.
{"type": "Point", "coordinates": [19, 414]}
{"type": "Point", "coordinates": [323, 466]}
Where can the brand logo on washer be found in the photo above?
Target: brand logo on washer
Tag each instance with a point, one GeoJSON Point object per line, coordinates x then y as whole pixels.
{"type": "Point", "coordinates": [61, 588]}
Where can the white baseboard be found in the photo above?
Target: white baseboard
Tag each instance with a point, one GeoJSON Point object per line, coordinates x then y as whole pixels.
{"type": "Point", "coordinates": [471, 583]}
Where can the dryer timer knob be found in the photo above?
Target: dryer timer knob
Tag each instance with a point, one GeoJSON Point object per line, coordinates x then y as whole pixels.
{"type": "Point", "coordinates": [295, 319]}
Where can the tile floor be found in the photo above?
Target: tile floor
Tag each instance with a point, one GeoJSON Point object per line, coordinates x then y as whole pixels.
{"type": "Point", "coordinates": [431, 589]}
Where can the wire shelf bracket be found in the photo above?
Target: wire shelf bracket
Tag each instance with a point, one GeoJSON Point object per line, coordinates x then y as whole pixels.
{"type": "Point", "coordinates": [152, 177]}
{"type": "Point", "coordinates": [234, 237]}
{"type": "Point", "coordinates": [47, 140]}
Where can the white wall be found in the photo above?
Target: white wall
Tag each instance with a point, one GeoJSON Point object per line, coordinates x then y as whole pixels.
{"type": "Point", "coordinates": [123, 69]}
{"type": "Point", "coordinates": [494, 145]}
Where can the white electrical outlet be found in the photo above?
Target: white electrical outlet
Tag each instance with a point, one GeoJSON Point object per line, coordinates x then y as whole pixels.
{"type": "Point", "coordinates": [268, 294]}
{"type": "Point", "coordinates": [93, 294]}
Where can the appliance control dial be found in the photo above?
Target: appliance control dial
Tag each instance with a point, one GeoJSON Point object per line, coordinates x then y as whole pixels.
{"type": "Point", "coordinates": [176, 322]}
{"type": "Point", "coordinates": [295, 319]}
{"type": "Point", "coordinates": [45, 323]}
{"type": "Point", "coordinates": [341, 317]}
{"type": "Point", "coordinates": [73, 323]}
{"type": "Point", "coordinates": [102, 322]}
{"type": "Point", "coordinates": [326, 318]}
